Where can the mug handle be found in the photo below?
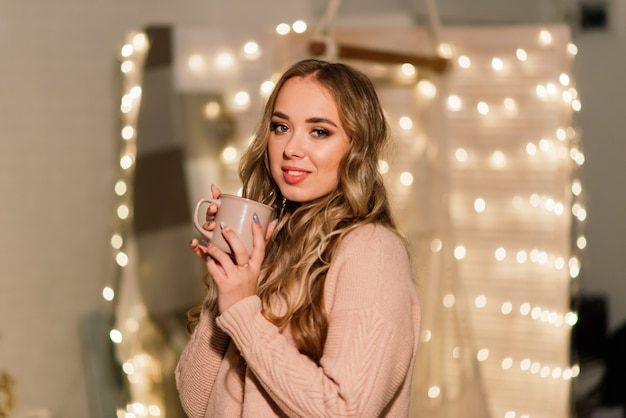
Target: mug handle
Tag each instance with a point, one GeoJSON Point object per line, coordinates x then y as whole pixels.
{"type": "Point", "coordinates": [207, 234]}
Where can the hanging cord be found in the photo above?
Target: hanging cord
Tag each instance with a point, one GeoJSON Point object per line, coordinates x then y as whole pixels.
{"type": "Point", "coordinates": [323, 37]}
{"type": "Point", "coordinates": [435, 22]}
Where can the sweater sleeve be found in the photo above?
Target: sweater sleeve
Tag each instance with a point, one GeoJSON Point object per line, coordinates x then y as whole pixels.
{"type": "Point", "coordinates": [370, 348]}
{"type": "Point", "coordinates": [199, 364]}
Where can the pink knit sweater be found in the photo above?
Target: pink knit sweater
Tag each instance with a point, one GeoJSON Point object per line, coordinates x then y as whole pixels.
{"type": "Point", "coordinates": [240, 365]}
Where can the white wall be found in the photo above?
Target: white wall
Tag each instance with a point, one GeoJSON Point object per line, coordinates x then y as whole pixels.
{"type": "Point", "coordinates": [58, 139]}
{"type": "Point", "coordinates": [58, 110]}
{"type": "Point", "coordinates": [600, 69]}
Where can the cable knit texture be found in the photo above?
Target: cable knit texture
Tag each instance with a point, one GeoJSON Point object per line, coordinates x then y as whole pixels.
{"type": "Point", "coordinates": [239, 364]}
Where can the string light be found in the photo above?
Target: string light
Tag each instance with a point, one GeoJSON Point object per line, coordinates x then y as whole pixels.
{"type": "Point", "coordinates": [476, 157]}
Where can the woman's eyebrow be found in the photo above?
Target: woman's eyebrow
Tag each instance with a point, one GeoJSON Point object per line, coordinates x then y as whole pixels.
{"type": "Point", "coordinates": [280, 115]}
{"type": "Point", "coordinates": [315, 119]}
{"type": "Point", "coordinates": [321, 120]}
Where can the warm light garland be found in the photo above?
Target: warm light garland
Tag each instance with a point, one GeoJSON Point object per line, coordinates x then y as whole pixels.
{"type": "Point", "coordinates": [512, 246]}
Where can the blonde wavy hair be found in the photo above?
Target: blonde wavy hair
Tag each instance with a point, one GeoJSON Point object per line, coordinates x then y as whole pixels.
{"type": "Point", "coordinates": [308, 234]}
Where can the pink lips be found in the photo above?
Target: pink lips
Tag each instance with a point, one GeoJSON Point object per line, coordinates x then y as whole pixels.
{"type": "Point", "coordinates": [293, 175]}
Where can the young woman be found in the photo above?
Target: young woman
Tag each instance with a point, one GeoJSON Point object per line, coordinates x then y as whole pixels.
{"type": "Point", "coordinates": [322, 319]}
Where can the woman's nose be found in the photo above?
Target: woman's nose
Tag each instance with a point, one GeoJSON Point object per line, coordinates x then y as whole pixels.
{"type": "Point", "coordinates": [294, 148]}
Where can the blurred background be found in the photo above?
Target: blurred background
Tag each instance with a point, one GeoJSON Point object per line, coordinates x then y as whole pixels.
{"type": "Point", "coordinates": [60, 90]}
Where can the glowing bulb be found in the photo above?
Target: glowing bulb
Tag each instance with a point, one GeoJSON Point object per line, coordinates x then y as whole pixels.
{"type": "Point", "coordinates": [521, 256]}
{"type": "Point", "coordinates": [225, 61]}
{"type": "Point", "coordinates": [521, 54]}
{"type": "Point", "coordinates": [127, 66]}
{"type": "Point", "coordinates": [128, 368]}
{"type": "Point", "coordinates": [212, 110]}
{"type": "Point", "coordinates": [564, 79]}
{"type": "Point", "coordinates": [229, 155]}
{"type": "Point", "coordinates": [299, 26]}
{"type": "Point", "coordinates": [541, 91]}
{"type": "Point", "coordinates": [482, 355]}
{"type": "Point", "coordinates": [434, 392]}
{"type": "Point", "coordinates": [497, 64]}
{"type": "Point", "coordinates": [140, 42]}
{"type": "Point", "coordinates": [445, 50]}
{"type": "Point", "coordinates": [480, 301]}
{"type": "Point", "coordinates": [117, 241]}
{"type": "Point", "coordinates": [456, 352]}
{"type": "Point", "coordinates": [572, 49]}
{"type": "Point", "coordinates": [121, 259]}
{"type": "Point", "coordinates": [126, 161]}
{"type": "Point", "coordinates": [241, 100]}
{"type": "Point", "coordinates": [127, 50]}
{"type": "Point", "coordinates": [454, 103]}
{"type": "Point", "coordinates": [500, 254]}
{"type": "Point", "coordinates": [120, 188]}
{"type": "Point", "coordinates": [449, 300]}
{"type": "Point", "coordinates": [461, 155]}
{"type": "Point", "coordinates": [581, 242]}
{"type": "Point", "coordinates": [406, 123]}
{"type": "Point", "coordinates": [483, 108]}
{"type": "Point", "coordinates": [507, 363]}
{"type": "Point", "coordinates": [510, 104]}
{"type": "Point", "coordinates": [507, 308]}
{"type": "Point", "coordinates": [383, 167]}
{"type": "Point", "coordinates": [128, 132]}
{"type": "Point", "coordinates": [480, 205]}
{"type": "Point", "coordinates": [525, 364]}
{"type": "Point", "coordinates": [283, 29]}
{"type": "Point", "coordinates": [406, 178]}
{"type": "Point", "coordinates": [559, 263]}
{"type": "Point", "coordinates": [427, 88]}
{"type": "Point", "coordinates": [123, 211]}
{"type": "Point", "coordinates": [531, 149]}
{"type": "Point", "coordinates": [571, 318]}
{"type": "Point", "coordinates": [498, 160]}
{"type": "Point", "coordinates": [436, 245]}
{"type": "Point", "coordinates": [545, 37]}
{"type": "Point", "coordinates": [464, 61]}
{"type": "Point", "coordinates": [196, 63]}
{"type": "Point", "coordinates": [108, 294]}
{"type": "Point", "coordinates": [250, 48]}
{"type": "Point", "coordinates": [115, 336]}
{"type": "Point", "coordinates": [459, 252]}
{"type": "Point", "coordinates": [267, 87]}
{"type": "Point", "coordinates": [408, 70]}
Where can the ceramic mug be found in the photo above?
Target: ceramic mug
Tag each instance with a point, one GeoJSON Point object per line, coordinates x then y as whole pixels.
{"type": "Point", "coordinates": [236, 213]}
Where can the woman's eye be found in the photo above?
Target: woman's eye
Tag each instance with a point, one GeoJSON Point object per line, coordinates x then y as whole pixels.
{"type": "Point", "coordinates": [278, 127]}
{"type": "Point", "coordinates": [320, 133]}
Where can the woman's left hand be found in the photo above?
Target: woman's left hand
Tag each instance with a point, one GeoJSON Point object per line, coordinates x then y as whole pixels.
{"type": "Point", "coordinates": [236, 277]}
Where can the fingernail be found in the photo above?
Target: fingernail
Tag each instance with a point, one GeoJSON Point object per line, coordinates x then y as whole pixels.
{"type": "Point", "coordinates": [256, 219]}
{"type": "Point", "coordinates": [208, 258]}
{"type": "Point", "coordinates": [212, 187]}
{"type": "Point", "coordinates": [205, 242]}
{"type": "Point", "coordinates": [275, 221]}
{"type": "Point", "coordinates": [223, 225]}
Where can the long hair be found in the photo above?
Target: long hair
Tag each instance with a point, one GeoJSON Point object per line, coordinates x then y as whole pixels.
{"type": "Point", "coordinates": [308, 234]}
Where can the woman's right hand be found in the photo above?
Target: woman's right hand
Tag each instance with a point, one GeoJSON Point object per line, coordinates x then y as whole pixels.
{"type": "Point", "coordinates": [209, 225]}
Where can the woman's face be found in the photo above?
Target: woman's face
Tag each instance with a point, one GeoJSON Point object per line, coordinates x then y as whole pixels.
{"type": "Point", "coordinates": [307, 141]}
